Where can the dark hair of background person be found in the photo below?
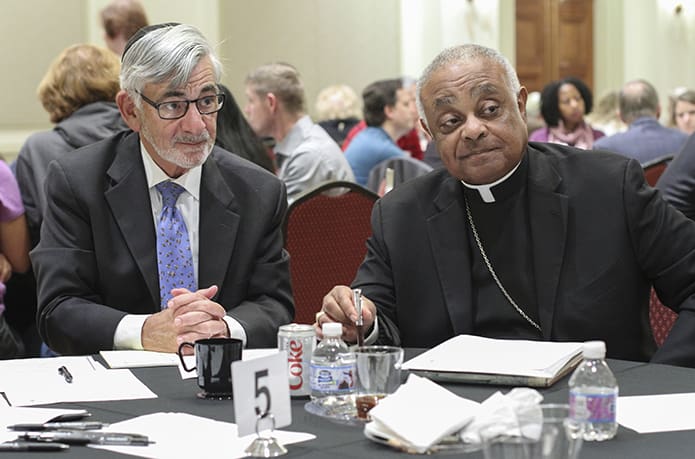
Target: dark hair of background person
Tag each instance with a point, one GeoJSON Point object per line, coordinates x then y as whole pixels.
{"type": "Point", "coordinates": [235, 135]}
{"type": "Point", "coordinates": [550, 103]}
{"type": "Point", "coordinates": [376, 97]}
{"type": "Point", "coordinates": [123, 17]}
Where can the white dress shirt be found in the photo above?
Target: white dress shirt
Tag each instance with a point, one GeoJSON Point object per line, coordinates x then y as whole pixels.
{"type": "Point", "coordinates": [128, 333]}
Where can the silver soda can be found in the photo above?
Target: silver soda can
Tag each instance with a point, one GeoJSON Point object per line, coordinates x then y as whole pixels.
{"type": "Point", "coordinates": [299, 341]}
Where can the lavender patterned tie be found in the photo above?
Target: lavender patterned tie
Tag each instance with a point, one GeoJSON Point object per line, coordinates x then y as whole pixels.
{"type": "Point", "coordinates": [174, 258]}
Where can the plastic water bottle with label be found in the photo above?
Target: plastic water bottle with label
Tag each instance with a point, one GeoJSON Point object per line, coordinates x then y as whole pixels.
{"type": "Point", "coordinates": [333, 372]}
{"type": "Point", "coordinates": [593, 394]}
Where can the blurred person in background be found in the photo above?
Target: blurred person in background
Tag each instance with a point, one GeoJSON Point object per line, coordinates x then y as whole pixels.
{"type": "Point", "coordinates": [606, 114]}
{"type": "Point", "coordinates": [683, 111]}
{"type": "Point", "coordinates": [120, 20]}
{"type": "Point", "coordinates": [564, 103]}
{"type": "Point", "coordinates": [338, 110]}
{"type": "Point", "coordinates": [78, 92]}
{"type": "Point", "coordinates": [235, 135]}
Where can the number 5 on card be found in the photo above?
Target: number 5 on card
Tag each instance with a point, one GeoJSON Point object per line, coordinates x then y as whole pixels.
{"type": "Point", "coordinates": [260, 386]}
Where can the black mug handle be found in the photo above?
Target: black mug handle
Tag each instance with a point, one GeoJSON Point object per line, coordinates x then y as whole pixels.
{"type": "Point", "coordinates": [183, 363]}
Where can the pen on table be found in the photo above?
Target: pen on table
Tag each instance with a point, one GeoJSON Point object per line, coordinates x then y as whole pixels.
{"type": "Point", "coordinates": [31, 446]}
{"type": "Point", "coordinates": [66, 373]}
{"type": "Point", "coordinates": [357, 298]}
{"type": "Point", "coordinates": [73, 437]}
{"type": "Point", "coordinates": [92, 425]}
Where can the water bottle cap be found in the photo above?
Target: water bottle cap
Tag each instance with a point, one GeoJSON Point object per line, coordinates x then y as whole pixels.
{"type": "Point", "coordinates": [594, 350]}
{"type": "Point", "coordinates": [332, 329]}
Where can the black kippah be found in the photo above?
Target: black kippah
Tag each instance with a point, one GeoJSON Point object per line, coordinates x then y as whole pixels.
{"type": "Point", "coordinates": [144, 31]}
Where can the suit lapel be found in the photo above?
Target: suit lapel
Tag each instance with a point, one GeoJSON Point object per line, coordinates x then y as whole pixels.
{"type": "Point", "coordinates": [131, 212]}
{"type": "Point", "coordinates": [548, 220]}
{"type": "Point", "coordinates": [452, 254]}
{"type": "Point", "coordinates": [219, 222]}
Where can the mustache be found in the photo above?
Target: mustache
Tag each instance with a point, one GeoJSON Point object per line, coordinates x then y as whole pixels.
{"type": "Point", "coordinates": [204, 137]}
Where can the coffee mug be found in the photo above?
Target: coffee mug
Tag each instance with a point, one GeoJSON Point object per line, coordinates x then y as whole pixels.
{"type": "Point", "coordinates": [213, 361]}
{"type": "Point", "coordinates": [378, 375]}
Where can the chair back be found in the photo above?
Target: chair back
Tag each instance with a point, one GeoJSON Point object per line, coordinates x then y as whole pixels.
{"type": "Point", "coordinates": [661, 318]}
{"type": "Point", "coordinates": [325, 235]}
{"type": "Point", "coordinates": [404, 168]}
{"type": "Point", "coordinates": [654, 168]}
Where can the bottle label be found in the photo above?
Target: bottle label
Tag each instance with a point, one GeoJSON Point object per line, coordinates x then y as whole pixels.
{"type": "Point", "coordinates": [335, 379]}
{"type": "Point", "coordinates": [595, 408]}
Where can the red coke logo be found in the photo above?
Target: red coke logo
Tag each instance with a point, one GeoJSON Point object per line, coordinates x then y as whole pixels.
{"type": "Point", "coordinates": [294, 361]}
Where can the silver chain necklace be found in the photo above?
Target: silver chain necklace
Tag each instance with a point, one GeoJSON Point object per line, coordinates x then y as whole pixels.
{"type": "Point", "coordinates": [492, 271]}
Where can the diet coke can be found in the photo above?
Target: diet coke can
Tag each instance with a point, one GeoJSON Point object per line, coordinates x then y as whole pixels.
{"type": "Point", "coordinates": [299, 342]}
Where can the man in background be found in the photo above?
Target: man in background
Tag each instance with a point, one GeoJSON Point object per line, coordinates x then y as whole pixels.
{"type": "Point", "coordinates": [120, 20]}
{"type": "Point", "coordinates": [155, 237]}
{"type": "Point", "coordinates": [389, 111]}
{"type": "Point", "coordinates": [305, 154]}
{"type": "Point", "coordinates": [645, 139]}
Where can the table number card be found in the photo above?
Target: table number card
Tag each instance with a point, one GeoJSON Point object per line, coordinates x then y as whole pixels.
{"type": "Point", "coordinates": [260, 386]}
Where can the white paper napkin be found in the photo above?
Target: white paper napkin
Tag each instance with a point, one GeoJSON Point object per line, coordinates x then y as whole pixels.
{"type": "Point", "coordinates": [421, 412]}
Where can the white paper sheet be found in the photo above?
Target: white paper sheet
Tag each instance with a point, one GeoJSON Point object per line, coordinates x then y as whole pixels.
{"type": "Point", "coordinates": [475, 354]}
{"type": "Point", "coordinates": [246, 354]}
{"type": "Point", "coordinates": [138, 359]}
{"type": "Point", "coordinates": [37, 382]}
{"type": "Point", "coordinates": [23, 415]}
{"type": "Point", "coordinates": [657, 413]}
{"type": "Point", "coordinates": [189, 436]}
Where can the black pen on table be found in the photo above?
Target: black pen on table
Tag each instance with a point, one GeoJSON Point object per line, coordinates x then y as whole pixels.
{"type": "Point", "coordinates": [31, 446]}
{"type": "Point", "coordinates": [66, 373]}
{"type": "Point", "coordinates": [359, 324]}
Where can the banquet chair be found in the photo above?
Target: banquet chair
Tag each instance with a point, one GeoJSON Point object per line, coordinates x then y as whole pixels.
{"type": "Point", "coordinates": [661, 318]}
{"type": "Point", "coordinates": [404, 168]}
{"type": "Point", "coordinates": [654, 168]}
{"type": "Point", "coordinates": [325, 235]}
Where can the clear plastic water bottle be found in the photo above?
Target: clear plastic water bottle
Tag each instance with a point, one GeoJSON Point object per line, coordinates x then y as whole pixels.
{"type": "Point", "coordinates": [593, 394]}
{"type": "Point", "coordinates": [332, 371]}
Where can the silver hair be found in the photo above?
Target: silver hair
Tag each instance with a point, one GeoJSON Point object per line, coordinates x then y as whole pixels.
{"type": "Point", "coordinates": [168, 54]}
{"type": "Point", "coordinates": [464, 54]}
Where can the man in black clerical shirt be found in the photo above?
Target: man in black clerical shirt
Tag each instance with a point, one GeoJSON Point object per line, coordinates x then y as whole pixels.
{"type": "Point", "coordinates": [516, 239]}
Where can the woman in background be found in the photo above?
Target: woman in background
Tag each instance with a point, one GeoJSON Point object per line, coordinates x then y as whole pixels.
{"type": "Point", "coordinates": [14, 254]}
{"type": "Point", "coordinates": [683, 113]}
{"type": "Point", "coordinates": [564, 103]}
{"type": "Point", "coordinates": [235, 135]}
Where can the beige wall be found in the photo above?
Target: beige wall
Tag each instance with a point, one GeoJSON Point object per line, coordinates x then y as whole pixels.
{"type": "Point", "coordinates": [331, 41]}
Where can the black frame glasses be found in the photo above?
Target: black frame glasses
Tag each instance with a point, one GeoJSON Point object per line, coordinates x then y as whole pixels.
{"type": "Point", "coordinates": [172, 106]}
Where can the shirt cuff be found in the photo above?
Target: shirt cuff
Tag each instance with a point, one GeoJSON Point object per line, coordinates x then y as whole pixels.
{"type": "Point", "coordinates": [235, 329]}
{"type": "Point", "coordinates": [371, 339]}
{"type": "Point", "coordinates": [128, 333]}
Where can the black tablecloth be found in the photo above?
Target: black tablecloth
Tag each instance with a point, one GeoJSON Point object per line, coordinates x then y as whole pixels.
{"type": "Point", "coordinates": [341, 441]}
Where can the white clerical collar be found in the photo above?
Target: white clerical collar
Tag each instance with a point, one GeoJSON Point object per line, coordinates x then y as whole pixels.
{"type": "Point", "coordinates": [486, 190]}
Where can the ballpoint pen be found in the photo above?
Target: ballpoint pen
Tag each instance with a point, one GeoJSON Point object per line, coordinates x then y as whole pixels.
{"type": "Point", "coordinates": [359, 324]}
{"type": "Point", "coordinates": [31, 446]}
{"type": "Point", "coordinates": [66, 373]}
{"type": "Point", "coordinates": [73, 437]}
{"type": "Point", "coordinates": [92, 425]}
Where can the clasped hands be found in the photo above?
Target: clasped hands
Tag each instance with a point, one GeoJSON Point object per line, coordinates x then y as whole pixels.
{"type": "Point", "coordinates": [189, 316]}
{"type": "Point", "coordinates": [338, 306]}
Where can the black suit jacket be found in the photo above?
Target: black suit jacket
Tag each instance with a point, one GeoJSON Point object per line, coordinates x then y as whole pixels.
{"type": "Point", "coordinates": [96, 260]}
{"type": "Point", "coordinates": [600, 237]}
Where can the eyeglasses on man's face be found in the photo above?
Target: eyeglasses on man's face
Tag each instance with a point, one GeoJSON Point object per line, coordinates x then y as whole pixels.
{"type": "Point", "coordinates": [175, 109]}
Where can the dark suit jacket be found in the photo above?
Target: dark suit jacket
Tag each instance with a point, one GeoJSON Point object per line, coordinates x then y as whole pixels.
{"type": "Point", "coordinates": [96, 260]}
{"type": "Point", "coordinates": [600, 236]}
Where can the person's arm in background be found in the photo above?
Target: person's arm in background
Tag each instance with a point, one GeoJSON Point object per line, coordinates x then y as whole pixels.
{"type": "Point", "coordinates": [14, 235]}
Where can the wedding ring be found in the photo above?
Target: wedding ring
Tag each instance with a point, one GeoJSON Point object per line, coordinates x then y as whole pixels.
{"type": "Point", "coordinates": [318, 316]}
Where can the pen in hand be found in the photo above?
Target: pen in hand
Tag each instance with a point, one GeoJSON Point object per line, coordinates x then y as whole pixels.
{"type": "Point", "coordinates": [65, 373]}
{"type": "Point", "coordinates": [359, 324]}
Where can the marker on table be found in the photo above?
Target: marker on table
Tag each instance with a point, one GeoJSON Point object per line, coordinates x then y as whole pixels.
{"type": "Point", "coordinates": [66, 374]}
{"type": "Point", "coordinates": [32, 446]}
